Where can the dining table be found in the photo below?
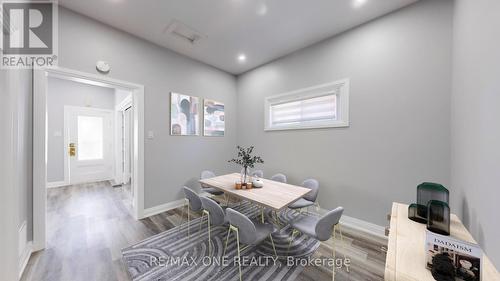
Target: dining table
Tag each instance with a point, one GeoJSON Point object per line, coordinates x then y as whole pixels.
{"type": "Point", "coordinates": [273, 195]}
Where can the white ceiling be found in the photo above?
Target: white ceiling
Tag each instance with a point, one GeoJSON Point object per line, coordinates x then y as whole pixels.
{"type": "Point", "coordinates": [263, 30]}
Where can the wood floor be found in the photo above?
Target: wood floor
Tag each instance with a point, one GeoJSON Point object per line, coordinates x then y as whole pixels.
{"type": "Point", "coordinates": [89, 224]}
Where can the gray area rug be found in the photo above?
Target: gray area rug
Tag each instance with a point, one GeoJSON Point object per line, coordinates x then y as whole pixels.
{"type": "Point", "coordinates": [173, 255]}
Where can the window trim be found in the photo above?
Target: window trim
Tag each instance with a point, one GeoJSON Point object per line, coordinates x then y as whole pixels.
{"type": "Point", "coordinates": [341, 87]}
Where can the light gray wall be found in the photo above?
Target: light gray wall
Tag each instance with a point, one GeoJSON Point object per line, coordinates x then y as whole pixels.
{"type": "Point", "coordinates": [475, 138]}
{"type": "Point", "coordinates": [170, 161]}
{"type": "Point", "coordinates": [399, 67]}
{"type": "Point", "coordinates": [62, 93]}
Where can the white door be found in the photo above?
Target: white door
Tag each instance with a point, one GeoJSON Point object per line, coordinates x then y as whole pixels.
{"type": "Point", "coordinates": [89, 142]}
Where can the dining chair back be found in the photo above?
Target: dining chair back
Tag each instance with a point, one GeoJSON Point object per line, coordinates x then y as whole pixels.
{"type": "Point", "coordinates": [207, 174]}
{"type": "Point", "coordinates": [246, 228]}
{"type": "Point", "coordinates": [313, 185]}
{"type": "Point", "coordinates": [258, 174]}
{"type": "Point", "coordinates": [279, 178]}
{"type": "Point", "coordinates": [247, 233]}
{"type": "Point", "coordinates": [323, 228]}
{"type": "Point", "coordinates": [215, 216]}
{"type": "Point", "coordinates": [216, 213]}
{"type": "Point", "coordinates": [194, 199]}
{"type": "Point", "coordinates": [192, 203]}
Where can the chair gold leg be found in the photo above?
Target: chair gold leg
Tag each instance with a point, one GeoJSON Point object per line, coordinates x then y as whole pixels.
{"type": "Point", "coordinates": [188, 211]}
{"type": "Point", "coordinates": [272, 243]}
{"type": "Point", "coordinates": [209, 238]}
{"type": "Point", "coordinates": [182, 215]}
{"type": "Point", "coordinates": [341, 235]}
{"type": "Point", "coordinates": [262, 214]}
{"type": "Point", "coordinates": [333, 253]}
{"type": "Point", "coordinates": [239, 253]}
{"type": "Point", "coordinates": [277, 219]}
{"type": "Point", "coordinates": [227, 239]}
{"type": "Point", "coordinates": [201, 223]}
{"type": "Point", "coordinates": [334, 262]}
{"type": "Point", "coordinates": [294, 232]}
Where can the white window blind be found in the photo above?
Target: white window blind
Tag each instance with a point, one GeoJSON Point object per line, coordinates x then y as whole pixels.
{"type": "Point", "coordinates": [322, 108]}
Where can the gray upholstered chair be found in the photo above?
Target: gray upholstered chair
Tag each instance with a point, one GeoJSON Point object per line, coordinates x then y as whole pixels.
{"type": "Point", "coordinates": [247, 232]}
{"type": "Point", "coordinates": [192, 203]}
{"type": "Point", "coordinates": [320, 228]}
{"type": "Point", "coordinates": [211, 190]}
{"type": "Point", "coordinates": [257, 174]}
{"type": "Point", "coordinates": [216, 216]}
{"type": "Point", "coordinates": [279, 178]}
{"type": "Point", "coordinates": [310, 198]}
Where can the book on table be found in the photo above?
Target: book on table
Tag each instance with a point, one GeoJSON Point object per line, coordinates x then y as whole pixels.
{"type": "Point", "coordinates": [464, 258]}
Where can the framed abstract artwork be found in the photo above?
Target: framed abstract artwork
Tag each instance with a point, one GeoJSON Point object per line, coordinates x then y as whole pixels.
{"type": "Point", "coordinates": [213, 118]}
{"type": "Point", "coordinates": [184, 115]}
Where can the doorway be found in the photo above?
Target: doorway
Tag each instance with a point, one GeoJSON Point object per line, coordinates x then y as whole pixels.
{"type": "Point", "coordinates": [127, 149]}
{"type": "Point", "coordinates": [88, 156]}
{"type": "Point", "coordinates": [89, 139]}
{"type": "Point", "coordinates": [124, 148]}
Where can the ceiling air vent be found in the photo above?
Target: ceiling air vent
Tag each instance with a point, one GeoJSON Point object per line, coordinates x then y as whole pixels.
{"type": "Point", "coordinates": [183, 32]}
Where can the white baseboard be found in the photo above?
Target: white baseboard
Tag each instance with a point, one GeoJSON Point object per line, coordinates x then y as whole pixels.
{"type": "Point", "coordinates": [354, 224]}
{"type": "Point", "coordinates": [25, 257]}
{"type": "Point", "coordinates": [162, 208]}
{"type": "Point", "coordinates": [56, 184]}
{"type": "Point", "coordinates": [364, 226]}
{"type": "Point", "coordinates": [370, 230]}
{"type": "Point", "coordinates": [25, 248]}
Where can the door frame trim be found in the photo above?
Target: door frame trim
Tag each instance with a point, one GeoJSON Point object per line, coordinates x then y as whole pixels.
{"type": "Point", "coordinates": [119, 110]}
{"type": "Point", "coordinates": [40, 134]}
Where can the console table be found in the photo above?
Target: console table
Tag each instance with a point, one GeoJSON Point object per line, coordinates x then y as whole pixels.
{"type": "Point", "coordinates": [406, 256]}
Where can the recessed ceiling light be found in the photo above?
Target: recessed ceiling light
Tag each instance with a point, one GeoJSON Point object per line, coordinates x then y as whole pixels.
{"type": "Point", "coordinates": [242, 58]}
{"type": "Point", "coordinates": [358, 3]}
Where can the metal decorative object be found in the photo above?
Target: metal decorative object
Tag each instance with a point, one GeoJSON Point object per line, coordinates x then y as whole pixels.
{"type": "Point", "coordinates": [438, 217]}
{"type": "Point", "coordinates": [427, 192]}
{"type": "Point", "coordinates": [415, 212]}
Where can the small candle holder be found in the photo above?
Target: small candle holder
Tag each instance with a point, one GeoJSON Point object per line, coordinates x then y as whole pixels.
{"type": "Point", "coordinates": [238, 185]}
{"type": "Point", "coordinates": [438, 217]}
{"type": "Point", "coordinates": [417, 213]}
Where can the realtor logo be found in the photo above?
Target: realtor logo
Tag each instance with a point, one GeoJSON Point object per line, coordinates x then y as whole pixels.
{"type": "Point", "coordinates": [29, 32]}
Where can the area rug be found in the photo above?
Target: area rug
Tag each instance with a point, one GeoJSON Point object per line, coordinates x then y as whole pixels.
{"type": "Point", "coordinates": [173, 255]}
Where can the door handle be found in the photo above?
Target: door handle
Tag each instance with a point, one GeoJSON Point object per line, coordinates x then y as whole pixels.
{"type": "Point", "coordinates": [72, 149]}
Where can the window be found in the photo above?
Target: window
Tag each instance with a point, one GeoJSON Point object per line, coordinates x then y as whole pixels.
{"type": "Point", "coordinates": [90, 138]}
{"type": "Point", "coordinates": [320, 106]}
